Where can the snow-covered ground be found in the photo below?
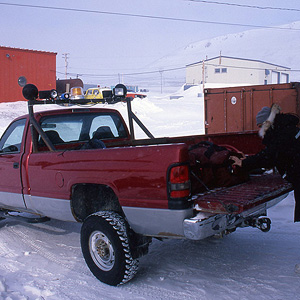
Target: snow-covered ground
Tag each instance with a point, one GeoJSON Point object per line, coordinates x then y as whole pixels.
{"type": "Point", "coordinates": [44, 261]}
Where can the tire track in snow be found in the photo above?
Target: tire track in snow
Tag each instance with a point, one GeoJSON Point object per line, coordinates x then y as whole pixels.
{"type": "Point", "coordinates": [136, 289]}
{"type": "Point", "coordinates": [154, 292]}
{"type": "Point", "coordinates": [44, 252]}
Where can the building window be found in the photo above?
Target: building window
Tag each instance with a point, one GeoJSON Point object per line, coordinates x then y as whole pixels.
{"type": "Point", "coordinates": [220, 70]}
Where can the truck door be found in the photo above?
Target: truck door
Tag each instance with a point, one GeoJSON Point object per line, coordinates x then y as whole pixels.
{"type": "Point", "coordinates": [11, 151]}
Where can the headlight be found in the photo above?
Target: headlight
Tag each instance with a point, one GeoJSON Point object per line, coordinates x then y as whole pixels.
{"type": "Point", "coordinates": [120, 90]}
{"type": "Point", "coordinates": [65, 96]}
{"type": "Point", "coordinates": [30, 92]}
{"type": "Point", "coordinates": [52, 94]}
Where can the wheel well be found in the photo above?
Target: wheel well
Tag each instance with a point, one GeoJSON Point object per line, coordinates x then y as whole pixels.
{"type": "Point", "coordinates": [89, 198]}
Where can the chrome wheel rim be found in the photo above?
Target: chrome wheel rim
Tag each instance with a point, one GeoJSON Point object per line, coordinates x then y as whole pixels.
{"type": "Point", "coordinates": [101, 250]}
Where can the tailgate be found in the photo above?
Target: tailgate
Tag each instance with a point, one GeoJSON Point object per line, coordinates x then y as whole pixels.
{"type": "Point", "coordinates": [236, 199]}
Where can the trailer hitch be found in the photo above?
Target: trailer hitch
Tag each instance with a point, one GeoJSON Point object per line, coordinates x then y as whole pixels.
{"type": "Point", "coordinates": [262, 223]}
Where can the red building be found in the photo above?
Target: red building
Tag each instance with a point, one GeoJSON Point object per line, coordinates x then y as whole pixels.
{"type": "Point", "coordinates": [21, 65]}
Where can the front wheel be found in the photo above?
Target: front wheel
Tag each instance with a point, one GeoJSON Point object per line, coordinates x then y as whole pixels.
{"type": "Point", "coordinates": [105, 247]}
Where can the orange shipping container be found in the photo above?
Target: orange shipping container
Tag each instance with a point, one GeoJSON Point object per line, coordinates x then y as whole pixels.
{"type": "Point", "coordinates": [234, 109]}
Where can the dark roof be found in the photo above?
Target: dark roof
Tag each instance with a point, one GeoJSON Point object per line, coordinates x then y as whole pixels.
{"type": "Point", "coordinates": [256, 60]}
{"type": "Point", "coordinates": [61, 84]}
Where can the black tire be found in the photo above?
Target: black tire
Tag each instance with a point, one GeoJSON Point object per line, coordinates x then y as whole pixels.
{"type": "Point", "coordinates": [105, 247]}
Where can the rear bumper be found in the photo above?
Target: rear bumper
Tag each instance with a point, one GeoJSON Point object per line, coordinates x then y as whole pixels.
{"type": "Point", "coordinates": [206, 224]}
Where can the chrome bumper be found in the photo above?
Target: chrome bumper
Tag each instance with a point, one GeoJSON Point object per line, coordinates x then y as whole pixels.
{"type": "Point", "coordinates": [206, 224]}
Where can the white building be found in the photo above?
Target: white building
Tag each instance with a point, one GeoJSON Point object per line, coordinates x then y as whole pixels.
{"type": "Point", "coordinates": [229, 71]}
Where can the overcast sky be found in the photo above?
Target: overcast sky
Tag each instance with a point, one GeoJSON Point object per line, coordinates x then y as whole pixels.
{"type": "Point", "coordinates": [105, 38]}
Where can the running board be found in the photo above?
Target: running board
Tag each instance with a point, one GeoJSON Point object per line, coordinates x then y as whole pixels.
{"type": "Point", "coordinates": [22, 217]}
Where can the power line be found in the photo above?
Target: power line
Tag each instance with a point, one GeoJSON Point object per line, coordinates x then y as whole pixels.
{"type": "Point", "coordinates": [158, 72]}
{"type": "Point", "coordinates": [146, 16]}
{"type": "Point", "coordinates": [128, 74]}
{"type": "Point", "coordinates": [246, 5]}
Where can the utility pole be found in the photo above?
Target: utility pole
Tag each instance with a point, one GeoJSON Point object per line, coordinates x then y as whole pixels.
{"type": "Point", "coordinates": [203, 74]}
{"type": "Point", "coordinates": [161, 81]}
{"type": "Point", "coordinates": [66, 56]}
{"type": "Point", "coordinates": [121, 78]}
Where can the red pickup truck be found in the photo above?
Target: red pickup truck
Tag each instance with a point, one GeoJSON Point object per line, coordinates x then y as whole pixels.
{"type": "Point", "coordinates": [83, 165]}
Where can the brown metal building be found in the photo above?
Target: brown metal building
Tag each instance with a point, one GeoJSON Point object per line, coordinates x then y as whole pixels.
{"type": "Point", "coordinates": [37, 67]}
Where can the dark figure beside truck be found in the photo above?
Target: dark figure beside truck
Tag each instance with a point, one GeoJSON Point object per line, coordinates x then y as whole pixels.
{"type": "Point", "coordinates": [281, 137]}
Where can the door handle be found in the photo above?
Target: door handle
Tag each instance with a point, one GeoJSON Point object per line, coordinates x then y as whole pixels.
{"type": "Point", "coordinates": [16, 165]}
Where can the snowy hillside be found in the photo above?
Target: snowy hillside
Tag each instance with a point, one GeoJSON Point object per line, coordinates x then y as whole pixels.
{"type": "Point", "coordinates": [269, 45]}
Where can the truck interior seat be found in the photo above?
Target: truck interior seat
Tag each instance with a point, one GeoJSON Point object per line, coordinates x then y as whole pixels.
{"type": "Point", "coordinates": [103, 132]}
{"type": "Point", "coordinates": [53, 137]}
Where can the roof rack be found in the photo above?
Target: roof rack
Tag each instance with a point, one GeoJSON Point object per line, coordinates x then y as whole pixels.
{"type": "Point", "coordinates": [35, 97]}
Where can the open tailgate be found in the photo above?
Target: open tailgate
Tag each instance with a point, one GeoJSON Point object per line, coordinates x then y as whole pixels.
{"type": "Point", "coordinates": [239, 198]}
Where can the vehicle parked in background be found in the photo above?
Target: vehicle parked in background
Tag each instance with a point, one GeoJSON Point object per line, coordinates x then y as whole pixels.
{"type": "Point", "coordinates": [98, 93]}
{"type": "Point", "coordinates": [131, 94]}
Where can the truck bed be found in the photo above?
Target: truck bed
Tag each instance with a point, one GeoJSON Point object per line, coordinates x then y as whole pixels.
{"type": "Point", "coordinates": [239, 198]}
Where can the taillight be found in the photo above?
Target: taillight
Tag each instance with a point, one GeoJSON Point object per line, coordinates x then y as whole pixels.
{"type": "Point", "coordinates": [179, 182]}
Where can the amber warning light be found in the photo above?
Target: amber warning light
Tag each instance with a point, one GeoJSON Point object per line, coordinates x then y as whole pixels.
{"type": "Point", "coordinates": [77, 93]}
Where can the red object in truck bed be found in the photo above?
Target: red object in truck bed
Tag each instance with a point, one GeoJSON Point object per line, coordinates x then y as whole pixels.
{"type": "Point", "coordinates": [236, 199]}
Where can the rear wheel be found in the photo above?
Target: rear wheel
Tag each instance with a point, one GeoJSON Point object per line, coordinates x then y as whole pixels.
{"type": "Point", "coordinates": [105, 247]}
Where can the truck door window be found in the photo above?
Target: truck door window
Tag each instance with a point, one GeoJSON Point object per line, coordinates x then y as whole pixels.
{"type": "Point", "coordinates": [12, 138]}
